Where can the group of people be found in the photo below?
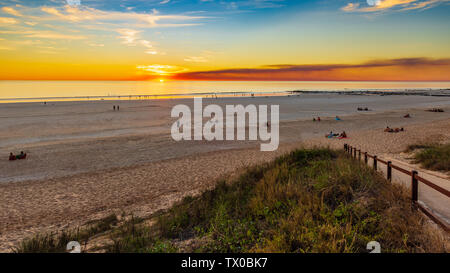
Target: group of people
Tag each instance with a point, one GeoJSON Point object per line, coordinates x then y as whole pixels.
{"type": "Point", "coordinates": [393, 130]}
{"type": "Point", "coordinates": [341, 135]}
{"type": "Point", "coordinates": [363, 109]}
{"type": "Point", "coordinates": [318, 119]}
{"type": "Point", "coordinates": [116, 107]}
{"type": "Point", "coordinates": [22, 155]}
{"type": "Point", "coordinates": [436, 110]}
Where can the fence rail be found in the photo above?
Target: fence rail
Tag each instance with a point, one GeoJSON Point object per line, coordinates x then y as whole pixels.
{"type": "Point", "coordinates": [415, 179]}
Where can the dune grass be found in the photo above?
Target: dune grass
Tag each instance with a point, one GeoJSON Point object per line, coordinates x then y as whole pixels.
{"type": "Point", "coordinates": [57, 242]}
{"type": "Point", "coordinates": [307, 201]}
{"type": "Point", "coordinates": [434, 157]}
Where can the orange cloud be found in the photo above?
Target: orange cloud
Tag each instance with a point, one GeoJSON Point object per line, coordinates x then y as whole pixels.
{"type": "Point", "coordinates": [11, 11]}
{"type": "Point", "coordinates": [408, 69]}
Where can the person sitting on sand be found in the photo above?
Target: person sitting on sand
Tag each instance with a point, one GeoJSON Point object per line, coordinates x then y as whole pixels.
{"type": "Point", "coordinates": [330, 135]}
{"type": "Point", "coordinates": [338, 118]}
{"type": "Point", "coordinates": [12, 156]}
{"type": "Point", "coordinates": [407, 116]}
{"type": "Point", "coordinates": [343, 135]}
{"type": "Point", "coordinates": [387, 129]}
{"type": "Point", "coordinates": [21, 156]}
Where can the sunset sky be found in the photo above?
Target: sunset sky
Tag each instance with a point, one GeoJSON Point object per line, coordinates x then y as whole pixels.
{"type": "Point", "coordinates": [374, 40]}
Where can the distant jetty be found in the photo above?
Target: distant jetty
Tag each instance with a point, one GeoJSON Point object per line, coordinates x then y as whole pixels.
{"type": "Point", "coordinates": [401, 92]}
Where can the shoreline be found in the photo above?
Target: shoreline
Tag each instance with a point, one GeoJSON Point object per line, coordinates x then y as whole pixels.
{"type": "Point", "coordinates": [432, 92]}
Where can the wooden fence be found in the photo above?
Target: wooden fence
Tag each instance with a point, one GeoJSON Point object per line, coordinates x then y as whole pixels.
{"type": "Point", "coordinates": [415, 179]}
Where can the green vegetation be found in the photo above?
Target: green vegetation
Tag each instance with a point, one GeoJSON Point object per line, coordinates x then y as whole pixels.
{"type": "Point", "coordinates": [57, 242]}
{"type": "Point", "coordinates": [308, 201]}
{"type": "Point", "coordinates": [433, 157]}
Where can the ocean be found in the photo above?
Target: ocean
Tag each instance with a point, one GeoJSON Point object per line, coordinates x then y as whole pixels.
{"type": "Point", "coordinates": [21, 91]}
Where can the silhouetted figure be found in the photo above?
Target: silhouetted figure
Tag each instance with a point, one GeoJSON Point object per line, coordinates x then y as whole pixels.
{"type": "Point", "coordinates": [21, 156]}
{"type": "Point", "coordinates": [114, 108]}
{"type": "Point", "coordinates": [12, 156]}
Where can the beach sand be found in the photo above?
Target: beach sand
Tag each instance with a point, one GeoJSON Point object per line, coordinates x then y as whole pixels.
{"type": "Point", "coordinates": [86, 161]}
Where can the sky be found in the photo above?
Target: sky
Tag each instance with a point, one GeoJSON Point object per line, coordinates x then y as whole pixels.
{"type": "Point", "coordinates": [324, 40]}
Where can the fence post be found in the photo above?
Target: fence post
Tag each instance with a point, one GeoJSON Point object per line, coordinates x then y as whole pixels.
{"type": "Point", "coordinates": [351, 150]}
{"type": "Point", "coordinates": [359, 155]}
{"type": "Point", "coordinates": [389, 170]}
{"type": "Point", "coordinates": [414, 188]}
{"type": "Point", "coordinates": [345, 147]}
{"type": "Point", "coordinates": [354, 153]}
{"type": "Point", "coordinates": [365, 157]}
{"type": "Point", "coordinates": [375, 162]}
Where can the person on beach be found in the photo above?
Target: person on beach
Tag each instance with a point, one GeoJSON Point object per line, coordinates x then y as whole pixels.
{"type": "Point", "coordinates": [12, 157]}
{"type": "Point", "coordinates": [318, 119]}
{"type": "Point", "coordinates": [338, 118]}
{"type": "Point", "coordinates": [407, 116]}
{"type": "Point", "coordinates": [118, 108]}
{"type": "Point", "coordinates": [343, 135]}
{"type": "Point", "coordinates": [21, 156]}
{"type": "Point", "coordinates": [314, 119]}
{"type": "Point", "coordinates": [114, 107]}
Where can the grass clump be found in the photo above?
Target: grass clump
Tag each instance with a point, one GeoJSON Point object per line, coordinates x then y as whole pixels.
{"type": "Point", "coordinates": [434, 157]}
{"type": "Point", "coordinates": [57, 242]}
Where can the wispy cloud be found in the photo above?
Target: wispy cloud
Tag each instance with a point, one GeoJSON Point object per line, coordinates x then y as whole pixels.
{"type": "Point", "coordinates": [43, 34]}
{"type": "Point", "coordinates": [153, 19]}
{"type": "Point", "coordinates": [11, 11]}
{"type": "Point", "coordinates": [130, 37]}
{"type": "Point", "coordinates": [7, 21]}
{"type": "Point", "coordinates": [158, 69]}
{"type": "Point", "coordinates": [199, 59]}
{"type": "Point", "coordinates": [383, 5]}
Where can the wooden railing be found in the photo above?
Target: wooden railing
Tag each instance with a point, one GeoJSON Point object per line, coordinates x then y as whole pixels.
{"type": "Point", "coordinates": [415, 179]}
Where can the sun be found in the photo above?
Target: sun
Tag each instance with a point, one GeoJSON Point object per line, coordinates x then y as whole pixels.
{"type": "Point", "coordinates": [161, 80]}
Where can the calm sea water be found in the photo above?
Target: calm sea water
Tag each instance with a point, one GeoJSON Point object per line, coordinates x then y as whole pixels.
{"type": "Point", "coordinates": [11, 91]}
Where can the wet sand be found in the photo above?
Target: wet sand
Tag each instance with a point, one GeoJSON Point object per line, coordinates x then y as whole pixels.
{"type": "Point", "coordinates": [130, 163]}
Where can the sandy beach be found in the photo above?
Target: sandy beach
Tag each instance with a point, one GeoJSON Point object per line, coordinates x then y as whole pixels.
{"type": "Point", "coordinates": [86, 160]}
